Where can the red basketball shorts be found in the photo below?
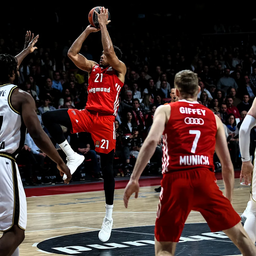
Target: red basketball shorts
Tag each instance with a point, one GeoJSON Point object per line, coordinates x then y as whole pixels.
{"type": "Point", "coordinates": [197, 190]}
{"type": "Point", "coordinates": [101, 128]}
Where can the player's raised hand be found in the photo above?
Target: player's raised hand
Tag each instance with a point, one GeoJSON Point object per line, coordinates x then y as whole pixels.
{"type": "Point", "coordinates": [103, 16]}
{"type": "Point", "coordinates": [92, 29]}
{"type": "Point", "coordinates": [31, 46]}
{"type": "Point", "coordinates": [28, 38]}
{"type": "Point", "coordinates": [246, 172]}
{"type": "Point", "coordinates": [132, 187]}
{"type": "Point", "coordinates": [30, 41]}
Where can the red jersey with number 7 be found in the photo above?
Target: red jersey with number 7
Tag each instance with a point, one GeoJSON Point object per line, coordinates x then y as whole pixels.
{"type": "Point", "coordinates": [189, 137]}
{"type": "Point", "coordinates": [103, 90]}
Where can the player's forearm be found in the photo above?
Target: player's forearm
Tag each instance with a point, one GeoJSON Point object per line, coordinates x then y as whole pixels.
{"type": "Point", "coordinates": [77, 45]}
{"type": "Point", "coordinates": [228, 178]}
{"type": "Point", "coordinates": [21, 56]}
{"type": "Point", "coordinates": [147, 150]}
{"type": "Point", "coordinates": [106, 40]}
{"type": "Point", "coordinates": [42, 140]}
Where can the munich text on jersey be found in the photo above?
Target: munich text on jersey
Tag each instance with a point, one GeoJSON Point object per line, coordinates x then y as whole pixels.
{"type": "Point", "coordinates": [194, 160]}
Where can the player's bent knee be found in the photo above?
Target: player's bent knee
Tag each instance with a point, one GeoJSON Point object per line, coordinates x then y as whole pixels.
{"type": "Point", "coordinates": [14, 239]}
{"type": "Point", "coordinates": [19, 233]}
{"type": "Point", "coordinates": [46, 117]}
{"type": "Point", "coordinates": [21, 236]}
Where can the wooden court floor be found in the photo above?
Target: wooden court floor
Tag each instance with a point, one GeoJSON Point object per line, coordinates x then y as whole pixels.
{"type": "Point", "coordinates": [67, 214]}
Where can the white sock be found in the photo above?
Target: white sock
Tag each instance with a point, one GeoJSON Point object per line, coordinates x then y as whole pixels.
{"type": "Point", "coordinates": [109, 211]}
{"type": "Point", "coordinates": [67, 148]}
{"type": "Point", "coordinates": [16, 252]}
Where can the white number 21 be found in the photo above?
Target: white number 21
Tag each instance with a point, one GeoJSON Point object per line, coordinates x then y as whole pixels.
{"type": "Point", "coordinates": [104, 144]}
{"type": "Point", "coordinates": [194, 145]}
{"type": "Point", "coordinates": [98, 78]}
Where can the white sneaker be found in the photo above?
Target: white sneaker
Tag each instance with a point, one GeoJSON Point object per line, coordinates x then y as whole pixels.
{"type": "Point", "coordinates": [106, 229]}
{"type": "Point", "coordinates": [73, 163]}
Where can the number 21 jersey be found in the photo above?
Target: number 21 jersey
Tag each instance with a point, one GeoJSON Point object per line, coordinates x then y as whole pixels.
{"type": "Point", "coordinates": [103, 90]}
{"type": "Point", "coordinates": [189, 137]}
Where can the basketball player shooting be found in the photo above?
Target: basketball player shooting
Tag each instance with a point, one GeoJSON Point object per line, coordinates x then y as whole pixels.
{"type": "Point", "coordinates": [98, 118]}
{"type": "Point", "coordinates": [190, 132]}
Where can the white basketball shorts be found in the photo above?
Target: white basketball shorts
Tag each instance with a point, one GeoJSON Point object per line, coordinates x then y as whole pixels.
{"type": "Point", "coordinates": [13, 205]}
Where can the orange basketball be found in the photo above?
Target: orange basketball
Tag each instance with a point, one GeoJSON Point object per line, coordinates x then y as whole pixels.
{"type": "Point", "coordinates": [93, 18]}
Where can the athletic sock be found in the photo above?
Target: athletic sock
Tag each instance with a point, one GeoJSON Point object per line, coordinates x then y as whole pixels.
{"type": "Point", "coordinates": [66, 148]}
{"type": "Point", "coordinates": [109, 211]}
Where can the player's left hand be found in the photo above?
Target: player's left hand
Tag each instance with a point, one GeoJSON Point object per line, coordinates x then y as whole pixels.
{"type": "Point", "coordinates": [30, 41]}
{"type": "Point", "coordinates": [92, 29]}
{"type": "Point", "coordinates": [246, 172]}
{"type": "Point", "coordinates": [103, 16]}
{"type": "Point", "coordinates": [28, 37]}
{"type": "Point", "coordinates": [132, 187]}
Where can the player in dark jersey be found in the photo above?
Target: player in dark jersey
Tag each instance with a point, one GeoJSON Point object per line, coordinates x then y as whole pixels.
{"type": "Point", "coordinates": [98, 118]}
{"type": "Point", "coordinates": [190, 132]}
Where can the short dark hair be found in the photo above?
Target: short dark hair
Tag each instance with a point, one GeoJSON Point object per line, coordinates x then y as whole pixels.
{"type": "Point", "coordinates": [8, 65]}
{"type": "Point", "coordinates": [118, 52]}
{"type": "Point", "coordinates": [135, 99]}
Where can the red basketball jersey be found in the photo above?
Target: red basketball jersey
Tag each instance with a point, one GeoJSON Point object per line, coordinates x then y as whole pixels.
{"type": "Point", "coordinates": [103, 90]}
{"type": "Point", "coordinates": [189, 137]}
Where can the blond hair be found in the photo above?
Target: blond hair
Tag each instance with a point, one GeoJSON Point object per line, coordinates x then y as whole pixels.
{"type": "Point", "coordinates": [186, 81]}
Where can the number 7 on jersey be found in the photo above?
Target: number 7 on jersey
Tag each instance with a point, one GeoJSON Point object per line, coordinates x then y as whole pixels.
{"type": "Point", "coordinates": [194, 145]}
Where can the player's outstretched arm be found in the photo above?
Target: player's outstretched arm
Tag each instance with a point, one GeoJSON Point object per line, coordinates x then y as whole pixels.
{"type": "Point", "coordinates": [107, 44]}
{"type": "Point", "coordinates": [31, 121]}
{"type": "Point", "coordinates": [29, 47]}
{"type": "Point", "coordinates": [73, 53]}
{"type": "Point", "coordinates": [147, 150]}
{"type": "Point", "coordinates": [225, 160]}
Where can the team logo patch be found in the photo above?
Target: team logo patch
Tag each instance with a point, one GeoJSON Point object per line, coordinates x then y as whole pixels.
{"type": "Point", "coordinates": [97, 144]}
{"type": "Point", "coordinates": [196, 240]}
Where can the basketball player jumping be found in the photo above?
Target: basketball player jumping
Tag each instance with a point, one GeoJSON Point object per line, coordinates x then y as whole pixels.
{"type": "Point", "coordinates": [98, 118]}
{"type": "Point", "coordinates": [17, 111]}
{"type": "Point", "coordinates": [190, 131]}
{"type": "Point", "coordinates": [247, 169]}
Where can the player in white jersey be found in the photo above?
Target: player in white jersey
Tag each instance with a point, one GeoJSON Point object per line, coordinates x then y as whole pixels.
{"type": "Point", "coordinates": [17, 111]}
{"type": "Point", "coordinates": [247, 169]}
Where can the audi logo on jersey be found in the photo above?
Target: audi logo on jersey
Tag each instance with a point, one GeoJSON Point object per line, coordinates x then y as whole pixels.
{"type": "Point", "coordinates": [193, 120]}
